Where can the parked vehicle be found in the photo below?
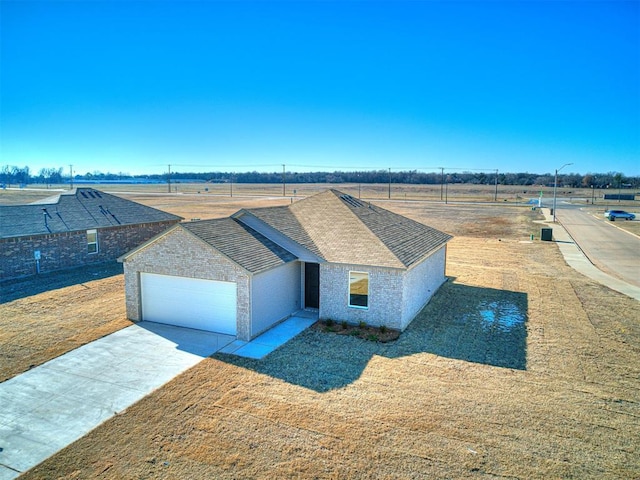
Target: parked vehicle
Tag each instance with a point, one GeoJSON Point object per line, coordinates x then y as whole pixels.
{"type": "Point", "coordinates": [613, 214]}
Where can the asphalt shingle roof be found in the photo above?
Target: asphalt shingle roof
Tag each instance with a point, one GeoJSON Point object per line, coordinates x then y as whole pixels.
{"type": "Point", "coordinates": [78, 209]}
{"type": "Point", "coordinates": [240, 243]}
{"type": "Point", "coordinates": [342, 229]}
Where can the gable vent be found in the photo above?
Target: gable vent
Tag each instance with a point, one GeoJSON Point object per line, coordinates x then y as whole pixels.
{"type": "Point", "coordinates": [354, 202]}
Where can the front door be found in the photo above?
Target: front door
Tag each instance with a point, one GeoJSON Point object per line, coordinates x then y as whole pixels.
{"type": "Point", "coordinates": [311, 285]}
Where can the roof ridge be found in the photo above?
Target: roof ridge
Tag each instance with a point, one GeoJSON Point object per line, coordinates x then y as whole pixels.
{"type": "Point", "coordinates": [341, 228]}
{"type": "Point", "coordinates": [343, 235]}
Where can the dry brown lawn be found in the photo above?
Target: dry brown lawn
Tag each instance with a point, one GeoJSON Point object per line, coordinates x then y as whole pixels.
{"type": "Point", "coordinates": [45, 316]}
{"type": "Point", "coordinates": [434, 404]}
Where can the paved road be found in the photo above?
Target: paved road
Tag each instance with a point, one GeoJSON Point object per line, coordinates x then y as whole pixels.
{"type": "Point", "coordinates": [611, 249]}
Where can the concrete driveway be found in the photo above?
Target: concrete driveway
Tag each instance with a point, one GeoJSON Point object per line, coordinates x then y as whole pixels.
{"type": "Point", "coordinates": [47, 408]}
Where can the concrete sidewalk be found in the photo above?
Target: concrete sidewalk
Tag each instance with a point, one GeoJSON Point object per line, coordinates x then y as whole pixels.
{"type": "Point", "coordinates": [273, 338]}
{"type": "Point", "coordinates": [576, 259]}
{"type": "Point", "coordinates": [45, 409]}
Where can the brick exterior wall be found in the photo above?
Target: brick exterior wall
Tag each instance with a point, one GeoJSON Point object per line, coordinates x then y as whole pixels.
{"type": "Point", "coordinates": [395, 296]}
{"type": "Point", "coordinates": [385, 295]}
{"type": "Point", "coordinates": [421, 282]}
{"type": "Point", "coordinates": [66, 250]}
{"type": "Point", "coordinates": [180, 253]}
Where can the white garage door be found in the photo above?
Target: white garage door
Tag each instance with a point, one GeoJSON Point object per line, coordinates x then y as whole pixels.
{"type": "Point", "coordinates": [189, 302]}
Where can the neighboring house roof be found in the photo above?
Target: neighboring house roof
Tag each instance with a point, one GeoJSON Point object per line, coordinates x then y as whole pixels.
{"type": "Point", "coordinates": [77, 209]}
{"type": "Point", "coordinates": [240, 243]}
{"type": "Point", "coordinates": [342, 229]}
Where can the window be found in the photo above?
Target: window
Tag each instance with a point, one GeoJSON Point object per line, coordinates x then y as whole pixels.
{"type": "Point", "coordinates": [359, 289]}
{"type": "Point", "coordinates": [92, 241]}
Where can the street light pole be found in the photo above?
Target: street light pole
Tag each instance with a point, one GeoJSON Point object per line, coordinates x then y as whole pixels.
{"type": "Point", "coordinates": [284, 180]}
{"type": "Point", "coordinates": [555, 188]}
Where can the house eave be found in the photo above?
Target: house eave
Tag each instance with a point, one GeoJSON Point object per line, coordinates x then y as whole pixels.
{"type": "Point", "coordinates": [428, 254]}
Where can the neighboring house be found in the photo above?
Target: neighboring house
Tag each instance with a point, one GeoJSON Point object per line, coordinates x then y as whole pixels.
{"type": "Point", "coordinates": [350, 260]}
{"type": "Point", "coordinates": [77, 227]}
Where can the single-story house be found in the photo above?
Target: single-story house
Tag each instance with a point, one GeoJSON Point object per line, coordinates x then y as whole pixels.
{"type": "Point", "coordinates": [349, 260]}
{"type": "Point", "coordinates": [74, 228]}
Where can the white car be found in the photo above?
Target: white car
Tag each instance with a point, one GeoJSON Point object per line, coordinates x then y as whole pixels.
{"type": "Point", "coordinates": [613, 214]}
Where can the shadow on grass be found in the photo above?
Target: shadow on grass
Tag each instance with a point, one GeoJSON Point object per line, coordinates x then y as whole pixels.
{"type": "Point", "coordinates": [25, 287]}
{"type": "Point", "coordinates": [479, 325]}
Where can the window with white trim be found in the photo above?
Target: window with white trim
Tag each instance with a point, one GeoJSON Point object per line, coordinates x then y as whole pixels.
{"type": "Point", "coordinates": [359, 289]}
{"type": "Point", "coordinates": [92, 241]}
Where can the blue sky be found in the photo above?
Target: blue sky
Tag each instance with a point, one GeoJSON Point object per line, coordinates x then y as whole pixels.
{"type": "Point", "coordinates": [234, 86]}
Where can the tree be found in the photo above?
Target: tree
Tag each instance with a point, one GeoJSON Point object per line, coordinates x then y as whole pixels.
{"type": "Point", "coordinates": [6, 175]}
{"type": "Point", "coordinates": [20, 175]}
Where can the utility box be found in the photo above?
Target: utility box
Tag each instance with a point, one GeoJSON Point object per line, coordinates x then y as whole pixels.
{"type": "Point", "coordinates": [546, 234]}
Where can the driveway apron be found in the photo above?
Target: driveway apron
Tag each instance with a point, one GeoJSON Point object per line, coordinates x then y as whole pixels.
{"type": "Point", "coordinates": [49, 407]}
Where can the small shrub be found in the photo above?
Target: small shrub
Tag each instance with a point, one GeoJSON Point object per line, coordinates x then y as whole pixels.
{"type": "Point", "coordinates": [345, 325]}
{"type": "Point", "coordinates": [383, 329]}
{"type": "Point", "coordinates": [355, 333]}
{"type": "Point", "coordinates": [328, 322]}
{"type": "Point", "coordinates": [372, 338]}
{"type": "Point", "coordinates": [362, 324]}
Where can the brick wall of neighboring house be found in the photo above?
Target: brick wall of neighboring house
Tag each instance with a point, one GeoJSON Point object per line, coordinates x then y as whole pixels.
{"type": "Point", "coordinates": [180, 253]}
{"type": "Point", "coordinates": [66, 250]}
{"type": "Point", "coordinates": [385, 295]}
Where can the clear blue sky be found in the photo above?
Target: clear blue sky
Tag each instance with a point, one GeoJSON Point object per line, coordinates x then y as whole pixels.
{"type": "Point", "coordinates": [234, 86]}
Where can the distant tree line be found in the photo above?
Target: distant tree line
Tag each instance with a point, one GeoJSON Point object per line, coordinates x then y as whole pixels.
{"type": "Point", "coordinates": [13, 175]}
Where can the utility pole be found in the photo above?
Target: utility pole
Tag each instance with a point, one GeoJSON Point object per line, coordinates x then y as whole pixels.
{"type": "Point", "coordinates": [284, 183]}
{"type": "Point", "coordinates": [389, 183]}
{"type": "Point", "coordinates": [169, 180]}
{"type": "Point", "coordinates": [441, 183]}
{"type": "Point", "coordinates": [495, 196]}
{"type": "Point", "coordinates": [619, 186]}
{"type": "Point", "coordinates": [71, 177]}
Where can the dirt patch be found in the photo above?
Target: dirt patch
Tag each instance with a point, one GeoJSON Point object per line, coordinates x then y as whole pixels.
{"type": "Point", "coordinates": [363, 332]}
{"type": "Point", "coordinates": [202, 206]}
{"type": "Point", "coordinates": [485, 221]}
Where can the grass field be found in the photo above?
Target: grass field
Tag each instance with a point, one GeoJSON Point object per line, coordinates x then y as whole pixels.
{"type": "Point", "coordinates": [206, 200]}
{"type": "Point", "coordinates": [437, 193]}
{"type": "Point", "coordinates": [454, 397]}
